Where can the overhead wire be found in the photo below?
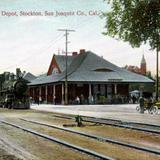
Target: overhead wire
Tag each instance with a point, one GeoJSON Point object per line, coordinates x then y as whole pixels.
{"type": "Point", "coordinates": [43, 50]}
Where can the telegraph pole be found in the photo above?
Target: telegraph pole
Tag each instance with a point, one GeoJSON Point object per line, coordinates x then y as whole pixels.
{"type": "Point", "coordinates": [157, 75]}
{"type": "Point", "coordinates": [157, 58]}
{"type": "Point", "coordinates": [66, 77]}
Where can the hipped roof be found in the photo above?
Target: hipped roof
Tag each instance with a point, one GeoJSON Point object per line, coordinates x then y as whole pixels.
{"type": "Point", "coordinates": [89, 67]}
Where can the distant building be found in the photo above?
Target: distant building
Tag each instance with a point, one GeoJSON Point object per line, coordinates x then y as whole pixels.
{"type": "Point", "coordinates": [88, 76]}
{"type": "Point", "coordinates": [142, 70]}
{"type": "Point", "coordinates": [29, 76]}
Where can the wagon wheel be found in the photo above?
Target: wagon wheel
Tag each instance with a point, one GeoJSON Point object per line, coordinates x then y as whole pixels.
{"type": "Point", "coordinates": [138, 108]}
{"type": "Point", "coordinates": [153, 110]}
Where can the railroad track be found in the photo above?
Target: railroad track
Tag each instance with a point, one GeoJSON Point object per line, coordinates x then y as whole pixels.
{"type": "Point", "coordinates": [56, 140]}
{"type": "Point", "coordinates": [126, 122]}
{"type": "Point", "coordinates": [118, 123]}
{"type": "Point", "coordinates": [98, 138]}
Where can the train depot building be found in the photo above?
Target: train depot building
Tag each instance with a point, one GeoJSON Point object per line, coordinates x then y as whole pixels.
{"type": "Point", "coordinates": [91, 80]}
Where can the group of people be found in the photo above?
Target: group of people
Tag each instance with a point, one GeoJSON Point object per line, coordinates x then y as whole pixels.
{"type": "Point", "coordinates": [134, 99]}
{"type": "Point", "coordinates": [39, 100]}
{"type": "Point", "coordinates": [143, 103]}
{"type": "Point", "coordinates": [81, 99]}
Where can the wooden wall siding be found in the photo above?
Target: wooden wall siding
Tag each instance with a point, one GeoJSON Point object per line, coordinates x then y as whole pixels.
{"type": "Point", "coordinates": [43, 93]}
{"type": "Point", "coordinates": [83, 90]}
{"type": "Point", "coordinates": [58, 93]}
{"type": "Point", "coordinates": [31, 92]}
{"type": "Point", "coordinates": [50, 94]}
{"type": "Point", "coordinates": [71, 92]}
{"type": "Point", "coordinates": [74, 90]}
{"type": "Point", "coordinates": [52, 66]}
{"type": "Point", "coordinates": [123, 89]}
{"type": "Point", "coordinates": [36, 94]}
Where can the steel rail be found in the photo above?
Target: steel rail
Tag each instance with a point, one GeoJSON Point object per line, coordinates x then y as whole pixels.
{"type": "Point", "coordinates": [126, 122]}
{"type": "Point", "coordinates": [53, 139]}
{"type": "Point", "coordinates": [102, 139]}
{"type": "Point", "coordinates": [143, 124]}
{"type": "Point", "coordinates": [114, 120]}
{"type": "Point", "coordinates": [63, 117]}
{"type": "Point", "coordinates": [101, 121]}
{"type": "Point", "coordinates": [124, 126]}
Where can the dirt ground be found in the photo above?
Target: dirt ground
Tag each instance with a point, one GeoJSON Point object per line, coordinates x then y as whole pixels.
{"type": "Point", "coordinates": [28, 147]}
{"type": "Point", "coordinates": [7, 156]}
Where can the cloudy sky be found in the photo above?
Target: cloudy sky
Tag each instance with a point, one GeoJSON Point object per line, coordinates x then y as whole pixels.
{"type": "Point", "coordinates": [29, 42]}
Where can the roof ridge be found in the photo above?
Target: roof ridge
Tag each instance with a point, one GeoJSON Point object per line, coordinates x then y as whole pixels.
{"type": "Point", "coordinates": [72, 69]}
{"type": "Point", "coordinates": [111, 64]}
{"type": "Point", "coordinates": [62, 55]}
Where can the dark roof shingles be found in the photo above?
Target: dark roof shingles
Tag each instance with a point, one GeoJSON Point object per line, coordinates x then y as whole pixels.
{"type": "Point", "coordinates": [82, 68]}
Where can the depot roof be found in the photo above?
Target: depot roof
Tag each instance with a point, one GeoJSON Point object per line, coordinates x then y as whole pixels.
{"type": "Point", "coordinates": [89, 67]}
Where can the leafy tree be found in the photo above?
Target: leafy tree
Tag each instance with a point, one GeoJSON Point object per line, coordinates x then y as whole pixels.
{"type": "Point", "coordinates": [149, 75]}
{"type": "Point", "coordinates": [135, 21]}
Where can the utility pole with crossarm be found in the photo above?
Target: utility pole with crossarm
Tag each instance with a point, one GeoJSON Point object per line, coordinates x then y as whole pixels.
{"type": "Point", "coordinates": [66, 72]}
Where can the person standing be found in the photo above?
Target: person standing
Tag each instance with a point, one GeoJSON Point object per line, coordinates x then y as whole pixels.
{"type": "Point", "coordinates": [134, 99]}
{"type": "Point", "coordinates": [77, 100]}
{"type": "Point", "coordinates": [40, 99]}
{"type": "Point", "coordinates": [141, 104]}
{"type": "Point", "coordinates": [54, 99]}
{"type": "Point", "coordinates": [90, 99]}
{"type": "Point", "coordinates": [81, 99]}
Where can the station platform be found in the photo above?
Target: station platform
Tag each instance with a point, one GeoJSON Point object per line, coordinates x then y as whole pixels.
{"type": "Point", "coordinates": [126, 112]}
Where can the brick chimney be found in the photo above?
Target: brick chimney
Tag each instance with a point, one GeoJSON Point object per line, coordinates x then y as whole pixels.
{"type": "Point", "coordinates": [82, 51]}
{"type": "Point", "coordinates": [74, 53]}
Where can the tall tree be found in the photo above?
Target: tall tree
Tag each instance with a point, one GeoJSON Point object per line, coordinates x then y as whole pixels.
{"type": "Point", "coordinates": [149, 75]}
{"type": "Point", "coordinates": [135, 21]}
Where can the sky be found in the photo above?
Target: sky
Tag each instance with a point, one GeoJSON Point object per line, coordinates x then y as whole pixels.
{"type": "Point", "coordinates": [28, 41]}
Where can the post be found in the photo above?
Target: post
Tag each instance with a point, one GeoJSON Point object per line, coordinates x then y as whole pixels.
{"type": "Point", "coordinates": [66, 78]}
{"type": "Point", "coordinates": [46, 92]}
{"type": "Point", "coordinates": [40, 92]}
{"type": "Point", "coordinates": [66, 72]}
{"type": "Point", "coordinates": [34, 94]}
{"type": "Point", "coordinates": [40, 95]}
{"type": "Point", "coordinates": [115, 89]}
{"type": "Point", "coordinates": [62, 93]}
{"type": "Point", "coordinates": [157, 49]}
{"type": "Point", "coordinates": [90, 90]}
{"type": "Point", "coordinates": [54, 93]}
{"type": "Point", "coordinates": [157, 82]}
{"type": "Point", "coordinates": [90, 100]}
